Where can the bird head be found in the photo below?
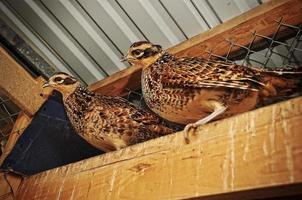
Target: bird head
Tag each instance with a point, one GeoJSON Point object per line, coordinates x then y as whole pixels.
{"type": "Point", "coordinates": [62, 82]}
{"type": "Point", "coordinates": [143, 53]}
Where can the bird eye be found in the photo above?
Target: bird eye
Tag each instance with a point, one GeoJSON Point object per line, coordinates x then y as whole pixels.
{"type": "Point", "coordinates": [137, 52]}
{"type": "Point", "coordinates": [58, 79]}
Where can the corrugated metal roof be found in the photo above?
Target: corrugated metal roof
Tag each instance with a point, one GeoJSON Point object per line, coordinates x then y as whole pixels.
{"type": "Point", "coordinates": [87, 37]}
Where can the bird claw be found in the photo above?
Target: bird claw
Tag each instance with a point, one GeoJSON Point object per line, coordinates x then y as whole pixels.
{"type": "Point", "coordinates": [187, 130]}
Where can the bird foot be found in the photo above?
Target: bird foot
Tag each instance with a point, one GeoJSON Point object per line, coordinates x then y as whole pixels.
{"type": "Point", "coordinates": [220, 109]}
{"type": "Point", "coordinates": [187, 130]}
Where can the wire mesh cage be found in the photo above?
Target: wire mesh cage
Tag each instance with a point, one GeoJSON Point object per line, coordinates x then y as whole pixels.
{"type": "Point", "coordinates": [273, 51]}
{"type": "Point", "coordinates": [8, 115]}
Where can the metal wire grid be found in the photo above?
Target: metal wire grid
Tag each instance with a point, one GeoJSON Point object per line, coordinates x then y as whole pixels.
{"type": "Point", "coordinates": [290, 54]}
{"type": "Point", "coordinates": [8, 115]}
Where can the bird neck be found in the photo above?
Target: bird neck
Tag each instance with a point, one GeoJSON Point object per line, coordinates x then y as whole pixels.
{"type": "Point", "coordinates": [146, 62]}
{"type": "Point", "coordinates": [76, 105]}
{"type": "Point", "coordinates": [66, 91]}
{"type": "Point", "coordinates": [82, 93]}
{"type": "Point", "coordinates": [165, 57]}
{"type": "Point", "coordinates": [77, 102]}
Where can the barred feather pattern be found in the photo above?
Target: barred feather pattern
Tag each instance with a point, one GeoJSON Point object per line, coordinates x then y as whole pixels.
{"type": "Point", "coordinates": [110, 123]}
{"type": "Point", "coordinates": [171, 84]}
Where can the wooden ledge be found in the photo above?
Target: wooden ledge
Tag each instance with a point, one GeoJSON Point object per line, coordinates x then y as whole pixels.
{"type": "Point", "coordinates": [258, 150]}
{"type": "Point", "coordinates": [261, 19]}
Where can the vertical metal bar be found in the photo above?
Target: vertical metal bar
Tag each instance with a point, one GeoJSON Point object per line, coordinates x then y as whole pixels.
{"type": "Point", "coordinates": [175, 22]}
{"type": "Point", "coordinates": [214, 11]}
{"type": "Point", "coordinates": [102, 30]}
{"type": "Point", "coordinates": [129, 17]}
{"type": "Point", "coordinates": [60, 58]}
{"type": "Point", "coordinates": [200, 14]}
{"type": "Point", "coordinates": [75, 39]}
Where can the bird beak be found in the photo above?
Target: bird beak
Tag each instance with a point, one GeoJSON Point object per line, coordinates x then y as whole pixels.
{"type": "Point", "coordinates": [45, 85]}
{"type": "Point", "coordinates": [124, 58]}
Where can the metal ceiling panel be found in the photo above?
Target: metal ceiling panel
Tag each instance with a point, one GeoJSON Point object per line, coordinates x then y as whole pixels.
{"type": "Point", "coordinates": [228, 9]}
{"type": "Point", "coordinates": [34, 13]}
{"type": "Point", "coordinates": [31, 38]}
{"type": "Point", "coordinates": [154, 21]}
{"type": "Point", "coordinates": [89, 36]}
{"type": "Point", "coordinates": [111, 19]}
{"type": "Point", "coordinates": [185, 16]}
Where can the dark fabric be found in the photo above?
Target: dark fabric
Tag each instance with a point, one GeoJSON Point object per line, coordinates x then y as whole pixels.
{"type": "Point", "coordinates": [48, 142]}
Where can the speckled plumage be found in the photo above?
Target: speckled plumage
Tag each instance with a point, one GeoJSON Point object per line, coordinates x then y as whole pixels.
{"type": "Point", "coordinates": [109, 123]}
{"type": "Point", "coordinates": [187, 89]}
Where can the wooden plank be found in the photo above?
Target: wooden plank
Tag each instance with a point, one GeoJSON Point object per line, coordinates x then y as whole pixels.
{"type": "Point", "coordinates": [260, 19]}
{"type": "Point", "coordinates": [9, 184]}
{"type": "Point", "coordinates": [4, 186]}
{"type": "Point", "coordinates": [17, 84]}
{"type": "Point", "coordinates": [120, 83]}
{"type": "Point", "coordinates": [258, 152]}
{"type": "Point", "coordinates": [14, 181]}
{"type": "Point", "coordinates": [9, 196]}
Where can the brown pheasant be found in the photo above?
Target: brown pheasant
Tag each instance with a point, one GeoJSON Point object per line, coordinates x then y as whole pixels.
{"type": "Point", "coordinates": [108, 123]}
{"type": "Point", "coordinates": [195, 90]}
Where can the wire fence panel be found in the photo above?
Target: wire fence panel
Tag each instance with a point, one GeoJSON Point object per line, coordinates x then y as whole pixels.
{"type": "Point", "coordinates": [8, 115]}
{"type": "Point", "coordinates": [278, 53]}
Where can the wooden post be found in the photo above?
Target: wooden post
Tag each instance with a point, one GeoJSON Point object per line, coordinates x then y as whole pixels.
{"type": "Point", "coordinates": [261, 19]}
{"type": "Point", "coordinates": [249, 156]}
{"type": "Point", "coordinates": [25, 91]}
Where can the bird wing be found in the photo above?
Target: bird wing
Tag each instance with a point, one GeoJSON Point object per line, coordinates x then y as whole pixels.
{"type": "Point", "coordinates": [126, 115]}
{"type": "Point", "coordinates": [135, 125]}
{"type": "Point", "coordinates": [200, 73]}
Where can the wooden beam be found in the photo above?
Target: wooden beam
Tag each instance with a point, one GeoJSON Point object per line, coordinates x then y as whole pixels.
{"type": "Point", "coordinates": [258, 152]}
{"type": "Point", "coordinates": [261, 19]}
{"type": "Point", "coordinates": [9, 184]}
{"type": "Point", "coordinates": [4, 186]}
{"type": "Point", "coordinates": [17, 84]}
{"type": "Point", "coordinates": [118, 84]}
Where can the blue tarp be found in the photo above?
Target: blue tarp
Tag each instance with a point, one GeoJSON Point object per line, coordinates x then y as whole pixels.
{"type": "Point", "coordinates": [48, 142]}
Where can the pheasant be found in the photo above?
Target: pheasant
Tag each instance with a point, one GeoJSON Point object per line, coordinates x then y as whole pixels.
{"type": "Point", "coordinates": [194, 91]}
{"type": "Point", "coordinates": [108, 123]}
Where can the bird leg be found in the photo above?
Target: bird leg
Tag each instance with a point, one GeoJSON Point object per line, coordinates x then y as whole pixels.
{"type": "Point", "coordinates": [218, 109]}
